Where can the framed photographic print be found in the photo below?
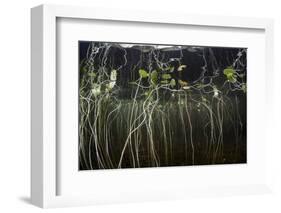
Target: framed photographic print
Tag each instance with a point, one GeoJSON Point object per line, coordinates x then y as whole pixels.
{"type": "Point", "coordinates": [132, 105]}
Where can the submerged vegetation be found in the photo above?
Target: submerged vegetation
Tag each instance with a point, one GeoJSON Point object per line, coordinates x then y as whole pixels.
{"type": "Point", "coordinates": [153, 105]}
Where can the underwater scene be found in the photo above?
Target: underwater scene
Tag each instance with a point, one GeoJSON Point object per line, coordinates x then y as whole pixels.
{"type": "Point", "coordinates": [150, 105]}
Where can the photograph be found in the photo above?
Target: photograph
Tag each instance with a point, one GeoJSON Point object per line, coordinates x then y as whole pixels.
{"type": "Point", "coordinates": [161, 105]}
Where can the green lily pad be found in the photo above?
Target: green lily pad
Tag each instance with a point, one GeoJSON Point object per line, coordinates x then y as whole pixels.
{"type": "Point", "coordinates": [230, 74]}
{"type": "Point", "coordinates": [154, 77]}
{"type": "Point", "coordinates": [166, 76]}
{"type": "Point", "coordinates": [113, 75]}
{"type": "Point", "coordinates": [183, 83]}
{"type": "Point", "coordinates": [143, 73]}
{"type": "Point", "coordinates": [173, 83]}
{"type": "Point", "coordinates": [169, 68]}
{"type": "Point", "coordinates": [164, 82]}
{"type": "Point", "coordinates": [172, 69]}
{"type": "Point", "coordinates": [181, 67]}
{"type": "Point", "coordinates": [229, 71]}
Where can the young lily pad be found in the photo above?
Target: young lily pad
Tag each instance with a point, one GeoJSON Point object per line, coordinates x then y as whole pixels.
{"type": "Point", "coordinates": [181, 67]}
{"type": "Point", "coordinates": [164, 82]}
{"type": "Point", "coordinates": [172, 69]}
{"type": "Point", "coordinates": [96, 89]}
{"type": "Point", "coordinates": [113, 75]}
{"type": "Point", "coordinates": [186, 87]}
{"type": "Point", "coordinates": [110, 85]}
{"type": "Point", "coordinates": [169, 68]}
{"type": "Point", "coordinates": [166, 76]}
{"type": "Point", "coordinates": [154, 77]}
{"type": "Point", "coordinates": [229, 71]}
{"type": "Point", "coordinates": [230, 74]}
{"type": "Point", "coordinates": [216, 91]}
{"type": "Point", "coordinates": [143, 73]}
{"type": "Point", "coordinates": [183, 83]}
{"type": "Point", "coordinates": [173, 83]}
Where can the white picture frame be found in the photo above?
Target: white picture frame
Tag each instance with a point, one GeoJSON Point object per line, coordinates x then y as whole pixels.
{"type": "Point", "coordinates": [44, 155]}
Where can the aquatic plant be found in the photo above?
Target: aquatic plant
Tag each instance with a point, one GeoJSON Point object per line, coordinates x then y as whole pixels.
{"type": "Point", "coordinates": [148, 113]}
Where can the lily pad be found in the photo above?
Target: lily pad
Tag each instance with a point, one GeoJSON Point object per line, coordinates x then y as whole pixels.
{"type": "Point", "coordinates": [154, 77]}
{"type": "Point", "coordinates": [183, 83]}
{"type": "Point", "coordinates": [216, 91]}
{"type": "Point", "coordinates": [166, 76]}
{"type": "Point", "coordinates": [164, 82]}
{"type": "Point", "coordinates": [173, 83]}
{"type": "Point", "coordinates": [110, 85]}
{"type": "Point", "coordinates": [172, 69]}
{"type": "Point", "coordinates": [96, 89]}
{"type": "Point", "coordinates": [186, 87]}
{"type": "Point", "coordinates": [113, 75]}
{"type": "Point", "coordinates": [229, 71]}
{"type": "Point", "coordinates": [230, 74]}
{"type": "Point", "coordinates": [143, 73]}
{"type": "Point", "coordinates": [181, 67]}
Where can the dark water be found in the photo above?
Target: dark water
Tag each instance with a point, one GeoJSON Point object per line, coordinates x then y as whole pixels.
{"type": "Point", "coordinates": [153, 105]}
